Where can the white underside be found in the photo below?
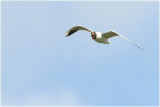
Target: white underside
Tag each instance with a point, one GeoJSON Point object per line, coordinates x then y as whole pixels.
{"type": "Point", "coordinates": [101, 39]}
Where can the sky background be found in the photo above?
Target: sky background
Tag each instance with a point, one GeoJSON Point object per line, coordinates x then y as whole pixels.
{"type": "Point", "coordinates": [40, 66]}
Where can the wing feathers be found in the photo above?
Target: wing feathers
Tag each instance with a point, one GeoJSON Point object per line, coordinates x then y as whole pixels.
{"type": "Point", "coordinates": [112, 33]}
{"type": "Point", "coordinates": [75, 29]}
{"type": "Point", "coordinates": [131, 42]}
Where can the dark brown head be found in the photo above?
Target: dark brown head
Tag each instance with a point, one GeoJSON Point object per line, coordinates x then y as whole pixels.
{"type": "Point", "coordinates": [93, 34]}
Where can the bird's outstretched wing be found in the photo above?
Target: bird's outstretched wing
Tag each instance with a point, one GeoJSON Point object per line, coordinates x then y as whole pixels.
{"type": "Point", "coordinates": [112, 33]}
{"type": "Point", "coordinates": [75, 29]}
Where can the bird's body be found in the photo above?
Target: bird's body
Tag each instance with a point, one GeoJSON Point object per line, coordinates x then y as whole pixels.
{"type": "Point", "coordinates": [98, 36]}
{"type": "Point", "coordinates": [100, 39]}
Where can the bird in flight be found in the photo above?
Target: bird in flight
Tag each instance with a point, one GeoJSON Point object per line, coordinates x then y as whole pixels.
{"type": "Point", "coordinates": [98, 36]}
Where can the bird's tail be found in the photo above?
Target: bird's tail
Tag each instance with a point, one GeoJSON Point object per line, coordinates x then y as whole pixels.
{"type": "Point", "coordinates": [108, 42]}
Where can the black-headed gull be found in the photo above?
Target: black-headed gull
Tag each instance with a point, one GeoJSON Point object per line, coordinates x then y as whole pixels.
{"type": "Point", "coordinates": [98, 36]}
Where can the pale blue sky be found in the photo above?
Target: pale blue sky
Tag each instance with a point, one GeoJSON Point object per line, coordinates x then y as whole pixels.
{"type": "Point", "coordinates": [40, 66]}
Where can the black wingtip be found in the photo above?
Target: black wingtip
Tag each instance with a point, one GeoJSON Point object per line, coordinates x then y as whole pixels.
{"type": "Point", "coordinates": [141, 48]}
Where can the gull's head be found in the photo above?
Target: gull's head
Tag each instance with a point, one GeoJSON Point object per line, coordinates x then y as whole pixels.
{"type": "Point", "coordinates": [93, 34]}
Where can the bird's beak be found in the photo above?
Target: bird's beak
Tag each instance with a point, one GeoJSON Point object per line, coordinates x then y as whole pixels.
{"type": "Point", "coordinates": [93, 37]}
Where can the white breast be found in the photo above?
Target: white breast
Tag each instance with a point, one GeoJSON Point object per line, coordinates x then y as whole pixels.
{"type": "Point", "coordinates": [100, 38]}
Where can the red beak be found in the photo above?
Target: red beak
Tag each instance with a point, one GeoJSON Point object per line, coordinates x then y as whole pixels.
{"type": "Point", "coordinates": [92, 36]}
